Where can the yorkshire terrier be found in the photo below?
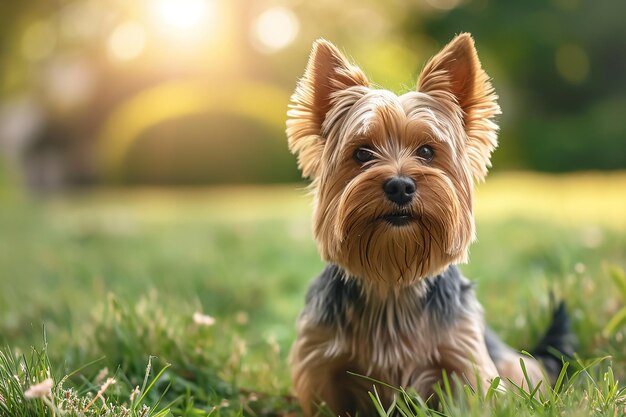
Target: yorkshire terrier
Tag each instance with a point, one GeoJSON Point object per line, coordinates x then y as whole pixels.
{"type": "Point", "coordinates": [392, 178]}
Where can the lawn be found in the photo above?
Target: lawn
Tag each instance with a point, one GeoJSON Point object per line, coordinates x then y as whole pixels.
{"type": "Point", "coordinates": [124, 284]}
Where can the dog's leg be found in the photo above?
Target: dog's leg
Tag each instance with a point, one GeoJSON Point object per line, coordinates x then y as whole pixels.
{"type": "Point", "coordinates": [323, 387]}
{"type": "Point", "coordinates": [329, 385]}
{"type": "Point", "coordinates": [321, 379]}
{"type": "Point", "coordinates": [508, 363]}
{"type": "Point", "coordinates": [511, 371]}
{"type": "Point", "coordinates": [464, 354]}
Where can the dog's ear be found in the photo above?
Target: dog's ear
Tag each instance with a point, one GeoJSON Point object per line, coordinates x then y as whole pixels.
{"type": "Point", "coordinates": [456, 73]}
{"type": "Point", "coordinates": [327, 72]}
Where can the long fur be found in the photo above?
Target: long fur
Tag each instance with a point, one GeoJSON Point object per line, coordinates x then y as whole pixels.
{"type": "Point", "coordinates": [343, 328]}
{"type": "Point", "coordinates": [391, 304]}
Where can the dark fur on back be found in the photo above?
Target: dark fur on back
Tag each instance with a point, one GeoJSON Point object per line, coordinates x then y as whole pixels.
{"type": "Point", "coordinates": [445, 295]}
{"type": "Point", "coordinates": [333, 298]}
{"type": "Point", "coordinates": [331, 295]}
{"type": "Point", "coordinates": [405, 337]}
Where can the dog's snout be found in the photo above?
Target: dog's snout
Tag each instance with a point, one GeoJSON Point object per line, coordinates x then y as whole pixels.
{"type": "Point", "coordinates": [399, 190]}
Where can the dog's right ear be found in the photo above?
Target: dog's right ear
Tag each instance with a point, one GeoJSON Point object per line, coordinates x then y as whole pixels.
{"type": "Point", "coordinates": [327, 72]}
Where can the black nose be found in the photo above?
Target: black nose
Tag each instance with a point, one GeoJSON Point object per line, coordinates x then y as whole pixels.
{"type": "Point", "coordinates": [400, 190]}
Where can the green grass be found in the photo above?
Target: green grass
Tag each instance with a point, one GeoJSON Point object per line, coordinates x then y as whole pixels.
{"type": "Point", "coordinates": [99, 285]}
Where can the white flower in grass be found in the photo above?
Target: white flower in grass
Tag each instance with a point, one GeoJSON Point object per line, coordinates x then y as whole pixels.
{"type": "Point", "coordinates": [101, 375]}
{"type": "Point", "coordinates": [203, 319]}
{"type": "Point", "coordinates": [43, 389]}
{"type": "Point", "coordinates": [107, 383]}
{"type": "Point", "coordinates": [241, 317]}
{"type": "Point", "coordinates": [135, 393]}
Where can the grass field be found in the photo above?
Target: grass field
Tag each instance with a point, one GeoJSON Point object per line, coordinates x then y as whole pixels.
{"type": "Point", "coordinates": [120, 284]}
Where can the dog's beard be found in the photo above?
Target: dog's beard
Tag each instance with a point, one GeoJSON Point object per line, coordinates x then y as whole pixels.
{"type": "Point", "coordinates": [388, 245]}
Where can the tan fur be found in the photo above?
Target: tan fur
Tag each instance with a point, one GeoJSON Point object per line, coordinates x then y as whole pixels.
{"type": "Point", "coordinates": [327, 71]}
{"type": "Point", "coordinates": [333, 112]}
{"type": "Point", "coordinates": [395, 351]}
{"type": "Point", "coordinates": [347, 203]}
{"type": "Point", "coordinates": [511, 372]}
{"type": "Point", "coordinates": [455, 73]}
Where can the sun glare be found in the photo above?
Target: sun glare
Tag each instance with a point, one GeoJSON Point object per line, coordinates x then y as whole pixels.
{"type": "Point", "coordinates": [275, 29]}
{"type": "Point", "coordinates": [182, 18]}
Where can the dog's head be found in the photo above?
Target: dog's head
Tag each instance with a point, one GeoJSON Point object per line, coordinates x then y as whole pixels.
{"type": "Point", "coordinates": [393, 175]}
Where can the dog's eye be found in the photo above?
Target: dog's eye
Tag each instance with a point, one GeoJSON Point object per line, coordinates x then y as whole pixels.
{"type": "Point", "coordinates": [363, 155]}
{"type": "Point", "coordinates": [426, 153]}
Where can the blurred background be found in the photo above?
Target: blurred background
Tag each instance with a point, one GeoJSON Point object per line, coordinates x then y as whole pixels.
{"type": "Point", "coordinates": [145, 177]}
{"type": "Point", "coordinates": [188, 92]}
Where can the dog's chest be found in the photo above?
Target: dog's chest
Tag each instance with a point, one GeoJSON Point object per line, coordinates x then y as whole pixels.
{"type": "Point", "coordinates": [400, 333]}
{"type": "Point", "coordinates": [384, 336]}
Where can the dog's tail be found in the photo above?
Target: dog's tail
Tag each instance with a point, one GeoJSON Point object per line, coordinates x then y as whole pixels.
{"type": "Point", "coordinates": [558, 344]}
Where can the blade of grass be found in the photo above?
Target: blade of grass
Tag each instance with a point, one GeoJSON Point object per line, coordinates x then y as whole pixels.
{"type": "Point", "coordinates": [154, 380]}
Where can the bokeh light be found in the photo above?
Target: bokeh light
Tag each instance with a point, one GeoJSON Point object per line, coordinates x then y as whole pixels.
{"type": "Point", "coordinates": [84, 21]}
{"type": "Point", "coordinates": [83, 61]}
{"type": "Point", "coordinates": [69, 82]}
{"type": "Point", "coordinates": [572, 63]}
{"type": "Point", "coordinates": [39, 40]}
{"type": "Point", "coordinates": [127, 41]}
{"type": "Point", "coordinates": [275, 29]}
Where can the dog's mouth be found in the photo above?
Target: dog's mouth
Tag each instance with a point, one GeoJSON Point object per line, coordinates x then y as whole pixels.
{"type": "Point", "coordinates": [398, 219]}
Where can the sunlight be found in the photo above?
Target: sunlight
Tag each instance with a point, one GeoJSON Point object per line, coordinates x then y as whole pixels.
{"type": "Point", "coordinates": [173, 100]}
{"type": "Point", "coordinates": [183, 18]}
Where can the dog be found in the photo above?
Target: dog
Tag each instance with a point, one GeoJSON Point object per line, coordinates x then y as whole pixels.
{"type": "Point", "coordinates": [392, 179]}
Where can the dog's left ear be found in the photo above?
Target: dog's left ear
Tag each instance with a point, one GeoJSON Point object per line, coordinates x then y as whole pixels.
{"type": "Point", "coordinates": [327, 73]}
{"type": "Point", "coordinates": [456, 73]}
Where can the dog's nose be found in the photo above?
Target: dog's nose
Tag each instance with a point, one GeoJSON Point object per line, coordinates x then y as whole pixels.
{"type": "Point", "coordinates": [400, 190]}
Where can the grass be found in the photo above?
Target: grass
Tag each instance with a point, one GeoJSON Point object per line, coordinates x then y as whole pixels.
{"type": "Point", "coordinates": [105, 285]}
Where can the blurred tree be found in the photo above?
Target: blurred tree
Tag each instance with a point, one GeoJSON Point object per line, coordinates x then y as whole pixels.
{"type": "Point", "coordinates": [559, 67]}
